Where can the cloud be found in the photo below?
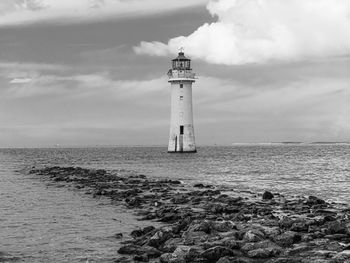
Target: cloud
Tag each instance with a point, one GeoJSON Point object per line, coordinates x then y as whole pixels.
{"type": "Point", "coordinates": [21, 12]}
{"type": "Point", "coordinates": [260, 31]}
{"type": "Point", "coordinates": [21, 81]}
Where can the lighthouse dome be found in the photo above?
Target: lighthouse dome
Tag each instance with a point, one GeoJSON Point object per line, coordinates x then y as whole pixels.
{"type": "Point", "coordinates": [181, 56]}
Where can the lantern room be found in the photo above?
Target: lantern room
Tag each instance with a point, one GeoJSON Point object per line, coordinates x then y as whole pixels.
{"type": "Point", "coordinates": [181, 62]}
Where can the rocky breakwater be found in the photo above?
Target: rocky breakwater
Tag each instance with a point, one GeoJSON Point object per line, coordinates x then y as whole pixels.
{"type": "Point", "coordinates": [214, 224]}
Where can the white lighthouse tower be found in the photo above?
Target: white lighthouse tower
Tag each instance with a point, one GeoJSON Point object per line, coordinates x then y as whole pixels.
{"type": "Point", "coordinates": [181, 138]}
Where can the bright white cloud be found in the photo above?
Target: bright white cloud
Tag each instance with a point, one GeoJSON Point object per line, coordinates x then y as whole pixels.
{"type": "Point", "coordinates": [63, 11]}
{"type": "Point", "coordinates": [258, 31]}
{"type": "Point", "coordinates": [20, 81]}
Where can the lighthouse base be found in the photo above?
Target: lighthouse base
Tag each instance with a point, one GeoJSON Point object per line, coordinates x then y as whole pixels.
{"type": "Point", "coordinates": [181, 139]}
{"type": "Point", "coordinates": [191, 151]}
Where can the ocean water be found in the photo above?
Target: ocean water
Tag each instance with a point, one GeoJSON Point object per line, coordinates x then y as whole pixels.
{"type": "Point", "coordinates": [42, 222]}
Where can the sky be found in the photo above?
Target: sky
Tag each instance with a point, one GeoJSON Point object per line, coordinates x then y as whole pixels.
{"type": "Point", "coordinates": [93, 72]}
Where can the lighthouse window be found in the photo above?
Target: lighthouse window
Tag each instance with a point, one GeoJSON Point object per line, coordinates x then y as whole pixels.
{"type": "Point", "coordinates": [181, 86]}
{"type": "Point", "coordinates": [181, 97]}
{"type": "Point", "coordinates": [181, 129]}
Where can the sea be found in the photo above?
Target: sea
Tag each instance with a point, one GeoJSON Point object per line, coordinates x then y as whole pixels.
{"type": "Point", "coordinates": [42, 221]}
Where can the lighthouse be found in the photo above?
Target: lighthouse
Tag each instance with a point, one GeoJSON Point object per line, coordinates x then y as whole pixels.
{"type": "Point", "coordinates": [181, 77]}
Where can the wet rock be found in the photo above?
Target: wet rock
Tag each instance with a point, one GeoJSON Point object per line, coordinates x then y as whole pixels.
{"type": "Point", "coordinates": [134, 201]}
{"type": "Point", "coordinates": [169, 258]}
{"type": "Point", "coordinates": [222, 226]}
{"type": "Point", "coordinates": [253, 235]}
{"type": "Point", "coordinates": [301, 226]}
{"type": "Point", "coordinates": [200, 226]}
{"type": "Point", "coordinates": [286, 260]}
{"type": "Point", "coordinates": [159, 238]}
{"type": "Point", "coordinates": [215, 253]}
{"type": "Point", "coordinates": [342, 257]}
{"type": "Point", "coordinates": [118, 235]}
{"type": "Point", "coordinates": [313, 200]}
{"type": "Point", "coordinates": [195, 238]}
{"type": "Point", "coordinates": [259, 245]}
{"type": "Point", "coordinates": [335, 227]}
{"type": "Point", "coordinates": [142, 258]}
{"type": "Point", "coordinates": [181, 254]}
{"type": "Point", "coordinates": [286, 222]}
{"type": "Point", "coordinates": [206, 225]}
{"type": "Point", "coordinates": [139, 250]}
{"type": "Point", "coordinates": [264, 252]}
{"type": "Point", "coordinates": [227, 259]}
{"type": "Point", "coordinates": [267, 195]}
{"type": "Point", "coordinates": [171, 244]}
{"type": "Point", "coordinates": [122, 260]}
{"type": "Point", "coordinates": [181, 199]}
{"type": "Point", "coordinates": [169, 217]}
{"type": "Point", "coordinates": [287, 239]}
{"type": "Point", "coordinates": [140, 232]}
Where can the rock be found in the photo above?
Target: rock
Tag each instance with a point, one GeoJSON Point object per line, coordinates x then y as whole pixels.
{"type": "Point", "coordinates": [259, 253]}
{"type": "Point", "coordinates": [195, 238]}
{"type": "Point", "coordinates": [200, 226]}
{"type": "Point", "coordinates": [118, 235]}
{"type": "Point", "coordinates": [165, 258]}
{"type": "Point", "coordinates": [286, 222]}
{"type": "Point", "coordinates": [171, 244]}
{"type": "Point", "coordinates": [227, 259]}
{"type": "Point", "coordinates": [139, 250]}
{"type": "Point", "coordinates": [210, 226]}
{"type": "Point", "coordinates": [136, 233]}
{"type": "Point", "coordinates": [122, 260]}
{"type": "Point", "coordinates": [267, 195]}
{"type": "Point", "coordinates": [335, 227]}
{"type": "Point", "coordinates": [181, 254]}
{"type": "Point", "coordinates": [134, 201]}
{"type": "Point", "coordinates": [313, 200]}
{"type": "Point", "coordinates": [159, 238]}
{"type": "Point", "coordinates": [180, 199]}
{"type": "Point", "coordinates": [262, 244]}
{"type": "Point", "coordinates": [253, 235]}
{"type": "Point", "coordinates": [300, 226]}
{"type": "Point", "coordinates": [141, 258]}
{"type": "Point", "coordinates": [215, 253]}
{"type": "Point", "coordinates": [271, 232]}
{"type": "Point", "coordinates": [286, 260]}
{"type": "Point", "coordinates": [140, 232]}
{"type": "Point", "coordinates": [287, 239]}
{"type": "Point", "coordinates": [169, 217]}
{"type": "Point", "coordinates": [341, 257]}
{"type": "Point", "coordinates": [222, 226]}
